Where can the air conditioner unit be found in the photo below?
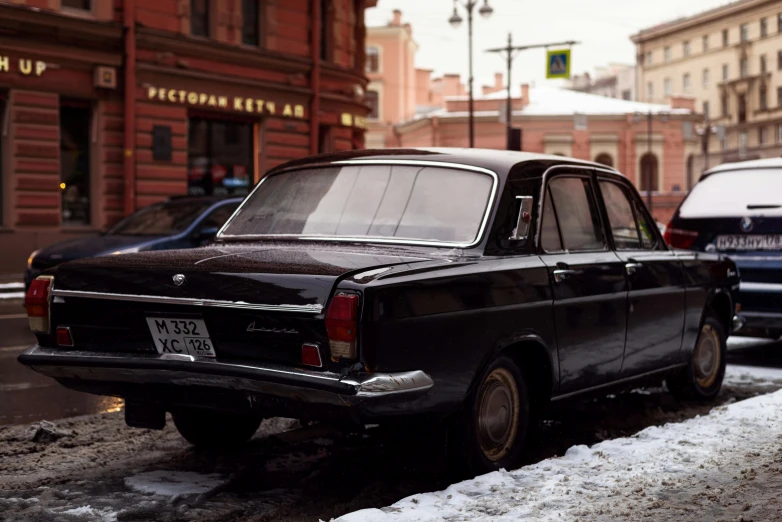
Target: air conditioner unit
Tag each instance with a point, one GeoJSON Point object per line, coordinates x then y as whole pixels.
{"type": "Point", "coordinates": [105, 77]}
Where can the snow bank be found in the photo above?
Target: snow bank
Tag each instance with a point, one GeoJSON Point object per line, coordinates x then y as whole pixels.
{"type": "Point", "coordinates": [173, 483]}
{"type": "Point", "coordinates": [612, 479]}
{"type": "Point", "coordinates": [738, 375]}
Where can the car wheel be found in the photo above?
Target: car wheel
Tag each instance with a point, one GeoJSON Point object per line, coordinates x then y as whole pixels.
{"type": "Point", "coordinates": [215, 430]}
{"type": "Point", "coordinates": [702, 377]}
{"type": "Point", "coordinates": [489, 432]}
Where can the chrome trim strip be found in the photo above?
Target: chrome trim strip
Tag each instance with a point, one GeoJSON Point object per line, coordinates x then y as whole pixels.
{"type": "Point", "coordinates": [364, 239]}
{"type": "Point", "coordinates": [759, 287]}
{"type": "Point", "coordinates": [99, 366]}
{"type": "Point", "coordinates": [617, 382]}
{"type": "Point", "coordinates": [189, 301]}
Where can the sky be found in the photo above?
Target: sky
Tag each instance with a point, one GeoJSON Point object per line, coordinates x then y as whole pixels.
{"type": "Point", "coordinates": [603, 28]}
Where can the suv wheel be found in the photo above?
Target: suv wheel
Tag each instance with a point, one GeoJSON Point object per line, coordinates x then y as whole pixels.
{"type": "Point", "coordinates": [215, 430]}
{"type": "Point", "coordinates": [489, 432]}
{"type": "Point", "coordinates": [702, 377]}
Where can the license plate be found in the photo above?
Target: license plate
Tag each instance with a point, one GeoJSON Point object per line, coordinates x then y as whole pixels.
{"type": "Point", "coordinates": [186, 336]}
{"type": "Point", "coordinates": [750, 242]}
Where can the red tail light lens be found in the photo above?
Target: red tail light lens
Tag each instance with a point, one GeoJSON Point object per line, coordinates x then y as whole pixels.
{"type": "Point", "coordinates": [63, 336]}
{"type": "Point", "coordinates": [310, 355]}
{"type": "Point", "coordinates": [37, 303]}
{"type": "Point", "coordinates": [679, 238]}
{"type": "Point", "coordinates": [342, 325]}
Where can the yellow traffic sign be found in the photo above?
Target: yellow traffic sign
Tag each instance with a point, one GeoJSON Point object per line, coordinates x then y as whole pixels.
{"type": "Point", "coordinates": [558, 63]}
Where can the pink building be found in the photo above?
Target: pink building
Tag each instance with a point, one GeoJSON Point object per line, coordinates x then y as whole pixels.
{"type": "Point", "coordinates": [412, 109]}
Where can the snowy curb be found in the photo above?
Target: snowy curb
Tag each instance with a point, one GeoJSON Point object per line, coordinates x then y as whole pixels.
{"type": "Point", "coordinates": [612, 479]}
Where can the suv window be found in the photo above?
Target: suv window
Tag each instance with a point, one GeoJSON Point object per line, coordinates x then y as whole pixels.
{"type": "Point", "coordinates": [576, 215]}
{"type": "Point", "coordinates": [736, 193]}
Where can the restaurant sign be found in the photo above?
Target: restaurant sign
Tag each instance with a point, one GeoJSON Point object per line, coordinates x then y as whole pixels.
{"type": "Point", "coordinates": [25, 66]}
{"type": "Point", "coordinates": [353, 120]}
{"type": "Point", "coordinates": [217, 101]}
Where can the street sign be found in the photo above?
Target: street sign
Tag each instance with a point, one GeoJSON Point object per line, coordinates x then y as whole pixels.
{"type": "Point", "coordinates": [558, 63]}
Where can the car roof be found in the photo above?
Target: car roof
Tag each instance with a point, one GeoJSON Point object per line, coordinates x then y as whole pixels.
{"type": "Point", "coordinates": [743, 165]}
{"type": "Point", "coordinates": [499, 161]}
{"type": "Point", "coordinates": [203, 199]}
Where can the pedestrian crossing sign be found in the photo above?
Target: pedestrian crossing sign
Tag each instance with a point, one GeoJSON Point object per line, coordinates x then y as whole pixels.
{"type": "Point", "coordinates": [558, 63]}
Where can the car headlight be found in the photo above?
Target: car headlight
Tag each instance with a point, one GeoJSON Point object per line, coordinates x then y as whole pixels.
{"type": "Point", "coordinates": [31, 258]}
{"type": "Point", "coordinates": [131, 250]}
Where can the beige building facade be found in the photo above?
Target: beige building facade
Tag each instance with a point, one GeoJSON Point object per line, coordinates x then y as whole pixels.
{"type": "Point", "coordinates": [729, 60]}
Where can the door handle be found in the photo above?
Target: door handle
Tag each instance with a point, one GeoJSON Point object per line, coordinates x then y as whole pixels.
{"type": "Point", "coordinates": [632, 267]}
{"type": "Point", "coordinates": [561, 275]}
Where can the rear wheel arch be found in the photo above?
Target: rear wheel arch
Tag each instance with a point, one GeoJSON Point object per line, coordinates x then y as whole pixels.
{"type": "Point", "coordinates": [720, 305]}
{"type": "Point", "coordinates": [534, 360]}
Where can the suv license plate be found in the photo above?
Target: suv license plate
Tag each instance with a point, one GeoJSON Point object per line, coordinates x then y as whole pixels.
{"type": "Point", "coordinates": [187, 336]}
{"type": "Point", "coordinates": [750, 242]}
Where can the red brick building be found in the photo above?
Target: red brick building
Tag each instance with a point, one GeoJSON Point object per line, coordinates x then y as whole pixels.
{"type": "Point", "coordinates": [109, 105]}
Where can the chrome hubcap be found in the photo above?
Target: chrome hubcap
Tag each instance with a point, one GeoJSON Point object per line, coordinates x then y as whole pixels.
{"type": "Point", "coordinates": [706, 357]}
{"type": "Point", "coordinates": [498, 414]}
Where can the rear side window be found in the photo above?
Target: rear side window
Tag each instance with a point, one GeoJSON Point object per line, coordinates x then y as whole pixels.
{"type": "Point", "coordinates": [577, 218]}
{"type": "Point", "coordinates": [629, 225]}
{"type": "Point", "coordinates": [736, 193]}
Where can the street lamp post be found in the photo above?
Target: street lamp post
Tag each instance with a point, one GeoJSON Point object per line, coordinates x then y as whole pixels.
{"type": "Point", "coordinates": [637, 117]}
{"type": "Point", "coordinates": [705, 133]}
{"type": "Point", "coordinates": [456, 20]}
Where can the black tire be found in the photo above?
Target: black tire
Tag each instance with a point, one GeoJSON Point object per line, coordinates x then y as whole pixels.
{"type": "Point", "coordinates": [489, 431]}
{"type": "Point", "coordinates": [212, 430]}
{"type": "Point", "coordinates": [702, 377]}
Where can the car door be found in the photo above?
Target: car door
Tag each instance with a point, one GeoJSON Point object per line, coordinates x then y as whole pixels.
{"type": "Point", "coordinates": [656, 293]}
{"type": "Point", "coordinates": [588, 281]}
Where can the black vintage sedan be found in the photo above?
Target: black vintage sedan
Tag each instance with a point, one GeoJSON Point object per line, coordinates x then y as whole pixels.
{"type": "Point", "coordinates": [180, 222]}
{"type": "Point", "coordinates": [470, 287]}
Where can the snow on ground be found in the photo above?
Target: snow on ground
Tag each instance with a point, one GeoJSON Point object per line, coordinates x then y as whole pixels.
{"type": "Point", "coordinates": [738, 375]}
{"type": "Point", "coordinates": [679, 471]}
{"type": "Point", "coordinates": [174, 483]}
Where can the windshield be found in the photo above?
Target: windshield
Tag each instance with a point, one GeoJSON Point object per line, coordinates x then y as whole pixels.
{"type": "Point", "coordinates": [390, 202]}
{"type": "Point", "coordinates": [162, 219]}
{"type": "Point", "coordinates": [736, 193]}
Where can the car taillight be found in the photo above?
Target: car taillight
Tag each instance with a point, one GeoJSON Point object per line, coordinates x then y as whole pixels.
{"type": "Point", "coordinates": [342, 325]}
{"type": "Point", "coordinates": [679, 238]}
{"type": "Point", "coordinates": [37, 303]}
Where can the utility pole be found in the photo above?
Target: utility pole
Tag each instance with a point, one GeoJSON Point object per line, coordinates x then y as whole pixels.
{"type": "Point", "coordinates": [510, 53]}
{"type": "Point", "coordinates": [651, 172]}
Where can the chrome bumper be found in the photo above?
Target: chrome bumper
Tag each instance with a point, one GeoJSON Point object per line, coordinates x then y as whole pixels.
{"type": "Point", "coordinates": [738, 323]}
{"type": "Point", "coordinates": [185, 370]}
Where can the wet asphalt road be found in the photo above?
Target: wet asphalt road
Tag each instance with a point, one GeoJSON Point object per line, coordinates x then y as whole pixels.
{"type": "Point", "coordinates": [26, 396]}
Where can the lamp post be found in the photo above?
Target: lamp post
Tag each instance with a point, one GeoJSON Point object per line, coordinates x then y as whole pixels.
{"type": "Point", "coordinates": [705, 131]}
{"type": "Point", "coordinates": [637, 117]}
{"type": "Point", "coordinates": [456, 20]}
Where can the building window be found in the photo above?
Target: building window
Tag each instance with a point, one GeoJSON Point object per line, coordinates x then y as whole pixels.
{"type": "Point", "coordinates": [650, 90]}
{"type": "Point", "coordinates": [199, 17]}
{"type": "Point", "coordinates": [779, 133]}
{"type": "Point", "coordinates": [763, 27]}
{"type": "Point", "coordinates": [705, 78]}
{"type": "Point", "coordinates": [373, 101]}
{"type": "Point", "coordinates": [745, 32]}
{"type": "Point", "coordinates": [81, 5]}
{"type": "Point", "coordinates": [667, 87]}
{"type": "Point", "coordinates": [763, 98]}
{"type": "Point", "coordinates": [649, 172]}
{"type": "Point", "coordinates": [706, 110]}
{"type": "Point", "coordinates": [75, 124]}
{"type": "Point", "coordinates": [743, 144]}
{"type": "Point", "coordinates": [373, 60]}
{"type": "Point", "coordinates": [779, 23]}
{"type": "Point", "coordinates": [605, 159]}
{"type": "Point", "coordinates": [325, 30]}
{"type": "Point", "coordinates": [779, 60]}
{"type": "Point", "coordinates": [686, 82]}
{"type": "Point", "coordinates": [762, 136]}
{"type": "Point", "coordinates": [725, 39]}
{"type": "Point", "coordinates": [742, 108]}
{"type": "Point", "coordinates": [649, 58]}
{"type": "Point", "coordinates": [686, 48]}
{"type": "Point", "coordinates": [779, 96]}
{"type": "Point", "coordinates": [251, 22]}
{"type": "Point", "coordinates": [688, 132]}
{"type": "Point", "coordinates": [627, 94]}
{"type": "Point", "coordinates": [744, 67]}
{"type": "Point", "coordinates": [763, 65]}
{"type": "Point", "coordinates": [725, 73]}
{"type": "Point", "coordinates": [725, 102]}
{"type": "Point", "coordinates": [705, 43]}
{"type": "Point", "coordinates": [220, 157]}
{"type": "Point", "coordinates": [667, 54]}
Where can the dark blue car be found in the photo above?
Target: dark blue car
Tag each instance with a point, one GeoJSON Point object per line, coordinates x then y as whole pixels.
{"type": "Point", "coordinates": [185, 222]}
{"type": "Point", "coordinates": [736, 209]}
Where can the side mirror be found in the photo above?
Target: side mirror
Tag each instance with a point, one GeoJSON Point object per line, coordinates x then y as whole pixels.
{"type": "Point", "coordinates": [205, 233]}
{"type": "Point", "coordinates": [522, 218]}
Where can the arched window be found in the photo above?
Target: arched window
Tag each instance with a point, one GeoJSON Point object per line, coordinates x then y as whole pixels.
{"type": "Point", "coordinates": [649, 166]}
{"type": "Point", "coordinates": [605, 159]}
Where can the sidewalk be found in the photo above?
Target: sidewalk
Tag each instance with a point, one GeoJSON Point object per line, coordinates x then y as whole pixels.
{"type": "Point", "coordinates": [724, 466]}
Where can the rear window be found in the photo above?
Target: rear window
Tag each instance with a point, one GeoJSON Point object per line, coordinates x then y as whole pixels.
{"type": "Point", "coordinates": [391, 202]}
{"type": "Point", "coordinates": [736, 193]}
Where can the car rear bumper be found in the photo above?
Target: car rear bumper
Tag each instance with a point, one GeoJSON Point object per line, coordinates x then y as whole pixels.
{"type": "Point", "coordinates": [126, 375]}
{"type": "Point", "coordinates": [761, 305]}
